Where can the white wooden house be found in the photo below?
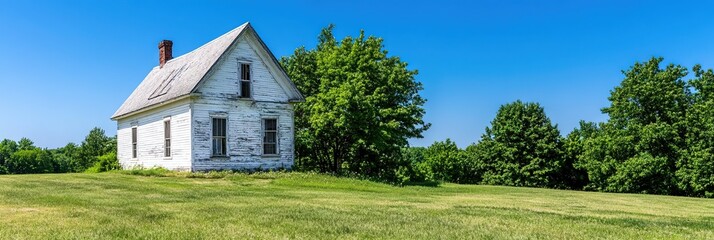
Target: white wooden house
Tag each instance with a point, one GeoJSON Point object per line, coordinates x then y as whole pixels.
{"type": "Point", "coordinates": [224, 105]}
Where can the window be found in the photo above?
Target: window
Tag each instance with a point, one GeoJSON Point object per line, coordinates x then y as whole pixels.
{"type": "Point", "coordinates": [133, 142]}
{"type": "Point", "coordinates": [167, 138]}
{"type": "Point", "coordinates": [219, 137]}
{"type": "Point", "coordinates": [245, 80]}
{"type": "Point", "coordinates": [270, 136]}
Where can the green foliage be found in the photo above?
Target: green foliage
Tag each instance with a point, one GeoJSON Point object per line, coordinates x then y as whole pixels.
{"type": "Point", "coordinates": [25, 144]}
{"type": "Point", "coordinates": [94, 145]}
{"type": "Point", "coordinates": [7, 148]}
{"type": "Point", "coordinates": [641, 174]}
{"type": "Point", "coordinates": [413, 167]}
{"type": "Point", "coordinates": [24, 157]}
{"type": "Point", "coordinates": [646, 126]}
{"type": "Point", "coordinates": [106, 162]}
{"type": "Point", "coordinates": [696, 166]}
{"type": "Point", "coordinates": [361, 106]}
{"type": "Point", "coordinates": [521, 148]}
{"type": "Point", "coordinates": [446, 162]}
{"type": "Point", "coordinates": [30, 161]}
{"type": "Point", "coordinates": [571, 175]}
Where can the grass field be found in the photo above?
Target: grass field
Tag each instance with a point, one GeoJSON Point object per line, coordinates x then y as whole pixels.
{"type": "Point", "coordinates": [308, 206]}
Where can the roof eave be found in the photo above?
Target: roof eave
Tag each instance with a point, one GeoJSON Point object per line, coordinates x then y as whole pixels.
{"type": "Point", "coordinates": [153, 106]}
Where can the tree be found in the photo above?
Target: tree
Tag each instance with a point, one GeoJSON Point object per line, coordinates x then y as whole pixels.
{"type": "Point", "coordinates": [30, 161]}
{"type": "Point", "coordinates": [446, 162]}
{"type": "Point", "coordinates": [68, 158]}
{"type": "Point", "coordinates": [7, 148]}
{"type": "Point", "coordinates": [695, 168]}
{"type": "Point", "coordinates": [646, 128]}
{"type": "Point", "coordinates": [361, 106]}
{"type": "Point", "coordinates": [94, 145]}
{"type": "Point", "coordinates": [521, 148]}
{"type": "Point", "coordinates": [571, 175]}
{"type": "Point", "coordinates": [25, 144]}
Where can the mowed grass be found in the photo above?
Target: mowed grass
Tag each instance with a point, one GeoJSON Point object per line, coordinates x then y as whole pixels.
{"type": "Point", "coordinates": [309, 206]}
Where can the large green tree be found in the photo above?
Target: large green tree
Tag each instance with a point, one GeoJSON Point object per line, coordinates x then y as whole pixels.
{"type": "Point", "coordinates": [696, 165]}
{"type": "Point", "coordinates": [638, 147]}
{"type": "Point", "coordinates": [521, 148]}
{"type": "Point", "coordinates": [361, 106]}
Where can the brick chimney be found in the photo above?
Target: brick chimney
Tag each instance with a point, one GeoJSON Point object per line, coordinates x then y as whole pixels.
{"type": "Point", "coordinates": [165, 52]}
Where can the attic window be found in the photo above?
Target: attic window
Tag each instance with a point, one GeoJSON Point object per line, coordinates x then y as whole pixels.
{"type": "Point", "coordinates": [244, 80]}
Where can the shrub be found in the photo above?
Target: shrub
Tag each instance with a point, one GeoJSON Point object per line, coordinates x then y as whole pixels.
{"type": "Point", "coordinates": [412, 167]}
{"type": "Point", "coordinates": [30, 161]}
{"type": "Point", "coordinates": [446, 162]}
{"type": "Point", "coordinates": [106, 162]}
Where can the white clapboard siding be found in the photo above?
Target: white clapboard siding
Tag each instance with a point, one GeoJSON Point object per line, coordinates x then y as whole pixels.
{"type": "Point", "coordinates": [197, 98]}
{"type": "Point", "coordinates": [150, 138]}
{"type": "Point", "coordinates": [244, 117]}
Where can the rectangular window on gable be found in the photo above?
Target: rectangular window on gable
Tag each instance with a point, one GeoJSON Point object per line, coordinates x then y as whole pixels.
{"type": "Point", "coordinates": [270, 136]}
{"type": "Point", "coordinates": [245, 80]}
{"type": "Point", "coordinates": [219, 136]}
{"type": "Point", "coordinates": [133, 142]}
{"type": "Point", "coordinates": [167, 138]}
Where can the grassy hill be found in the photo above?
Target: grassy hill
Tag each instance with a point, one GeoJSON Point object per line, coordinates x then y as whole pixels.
{"type": "Point", "coordinates": [297, 205]}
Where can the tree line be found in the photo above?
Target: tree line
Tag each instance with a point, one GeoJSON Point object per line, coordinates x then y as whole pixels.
{"type": "Point", "coordinates": [363, 105]}
{"type": "Point", "coordinates": [96, 153]}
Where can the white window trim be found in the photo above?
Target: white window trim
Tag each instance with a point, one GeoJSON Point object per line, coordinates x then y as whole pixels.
{"type": "Point", "coordinates": [277, 136]}
{"type": "Point", "coordinates": [134, 145]}
{"type": "Point", "coordinates": [250, 81]}
{"type": "Point", "coordinates": [168, 119]}
{"type": "Point", "coordinates": [224, 117]}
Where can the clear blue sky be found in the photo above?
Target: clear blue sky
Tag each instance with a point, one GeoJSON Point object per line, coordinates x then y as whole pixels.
{"type": "Point", "coordinates": [65, 67]}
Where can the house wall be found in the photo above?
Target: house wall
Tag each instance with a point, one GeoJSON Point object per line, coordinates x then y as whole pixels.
{"type": "Point", "coordinates": [150, 138]}
{"type": "Point", "coordinates": [219, 97]}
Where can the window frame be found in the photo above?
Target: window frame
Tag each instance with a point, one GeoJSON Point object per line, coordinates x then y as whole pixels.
{"type": "Point", "coordinates": [167, 138]}
{"type": "Point", "coordinates": [224, 137]}
{"type": "Point", "coordinates": [134, 142]}
{"type": "Point", "coordinates": [249, 81]}
{"type": "Point", "coordinates": [264, 130]}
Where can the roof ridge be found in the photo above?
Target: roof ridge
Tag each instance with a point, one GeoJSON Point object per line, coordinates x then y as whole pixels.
{"type": "Point", "coordinates": [209, 42]}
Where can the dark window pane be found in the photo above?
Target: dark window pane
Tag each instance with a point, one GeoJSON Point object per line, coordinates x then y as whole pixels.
{"type": "Point", "coordinates": [245, 89]}
{"type": "Point", "coordinates": [269, 148]}
{"type": "Point", "coordinates": [133, 135]}
{"type": "Point", "coordinates": [223, 127]}
{"type": "Point", "coordinates": [167, 129]}
{"type": "Point", "coordinates": [245, 72]}
{"type": "Point", "coordinates": [215, 127]}
{"type": "Point", "coordinates": [271, 124]}
{"type": "Point", "coordinates": [269, 137]}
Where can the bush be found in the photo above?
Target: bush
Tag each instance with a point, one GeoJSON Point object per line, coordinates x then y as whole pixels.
{"type": "Point", "coordinates": [30, 161]}
{"type": "Point", "coordinates": [412, 168]}
{"type": "Point", "coordinates": [106, 162]}
{"type": "Point", "coordinates": [444, 161]}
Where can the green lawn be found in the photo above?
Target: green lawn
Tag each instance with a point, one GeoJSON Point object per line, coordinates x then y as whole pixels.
{"type": "Point", "coordinates": [308, 206]}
